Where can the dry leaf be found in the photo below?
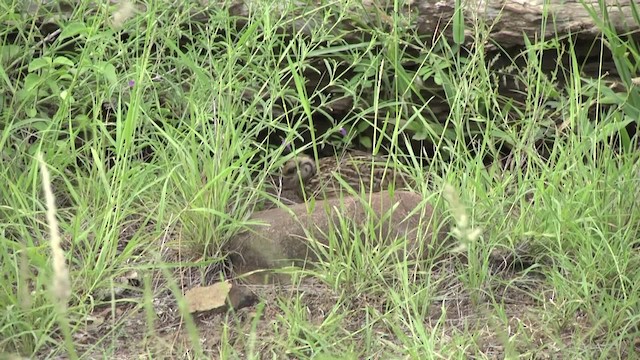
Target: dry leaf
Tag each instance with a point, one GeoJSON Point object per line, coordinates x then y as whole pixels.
{"type": "Point", "coordinates": [207, 297]}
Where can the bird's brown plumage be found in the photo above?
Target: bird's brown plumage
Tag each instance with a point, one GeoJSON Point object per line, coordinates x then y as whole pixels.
{"type": "Point", "coordinates": [360, 171]}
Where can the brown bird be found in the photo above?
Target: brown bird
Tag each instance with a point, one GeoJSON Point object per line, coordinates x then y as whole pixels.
{"type": "Point", "coordinates": [327, 178]}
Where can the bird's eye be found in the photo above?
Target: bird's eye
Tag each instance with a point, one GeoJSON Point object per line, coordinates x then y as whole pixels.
{"type": "Point", "coordinates": [307, 169]}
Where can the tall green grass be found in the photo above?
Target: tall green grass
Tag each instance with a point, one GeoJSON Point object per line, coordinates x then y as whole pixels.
{"type": "Point", "coordinates": [156, 145]}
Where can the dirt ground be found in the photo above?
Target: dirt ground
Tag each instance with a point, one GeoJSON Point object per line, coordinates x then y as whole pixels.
{"type": "Point", "coordinates": [514, 306]}
{"type": "Point", "coordinates": [260, 310]}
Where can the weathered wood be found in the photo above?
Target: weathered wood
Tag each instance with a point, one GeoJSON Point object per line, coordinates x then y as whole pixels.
{"type": "Point", "coordinates": [512, 19]}
{"type": "Point", "coordinates": [509, 20]}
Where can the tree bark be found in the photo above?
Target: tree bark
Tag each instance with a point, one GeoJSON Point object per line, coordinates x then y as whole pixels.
{"type": "Point", "coordinates": [509, 20]}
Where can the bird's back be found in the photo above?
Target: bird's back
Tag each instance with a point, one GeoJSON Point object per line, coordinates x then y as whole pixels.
{"type": "Point", "coordinates": [360, 171]}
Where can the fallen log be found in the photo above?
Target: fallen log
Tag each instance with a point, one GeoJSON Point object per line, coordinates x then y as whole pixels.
{"type": "Point", "coordinates": [508, 21]}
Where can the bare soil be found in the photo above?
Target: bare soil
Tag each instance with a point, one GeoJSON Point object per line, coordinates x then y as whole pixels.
{"type": "Point", "coordinates": [262, 323]}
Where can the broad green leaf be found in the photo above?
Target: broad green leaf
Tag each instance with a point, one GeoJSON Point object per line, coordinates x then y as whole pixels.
{"type": "Point", "coordinates": [31, 82]}
{"type": "Point", "coordinates": [365, 141]}
{"type": "Point", "coordinates": [39, 63]}
{"type": "Point", "coordinates": [73, 29]}
{"type": "Point", "coordinates": [61, 60]}
{"type": "Point", "coordinates": [109, 73]}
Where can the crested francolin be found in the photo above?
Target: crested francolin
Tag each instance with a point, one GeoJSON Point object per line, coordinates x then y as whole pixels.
{"type": "Point", "coordinates": [327, 177]}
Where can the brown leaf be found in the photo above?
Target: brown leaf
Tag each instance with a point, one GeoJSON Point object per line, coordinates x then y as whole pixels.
{"type": "Point", "coordinates": [207, 298]}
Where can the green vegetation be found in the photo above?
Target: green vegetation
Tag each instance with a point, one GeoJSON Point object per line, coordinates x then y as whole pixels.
{"type": "Point", "coordinates": [159, 134]}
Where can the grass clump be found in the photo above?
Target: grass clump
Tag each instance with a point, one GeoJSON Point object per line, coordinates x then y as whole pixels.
{"type": "Point", "coordinates": [161, 126]}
